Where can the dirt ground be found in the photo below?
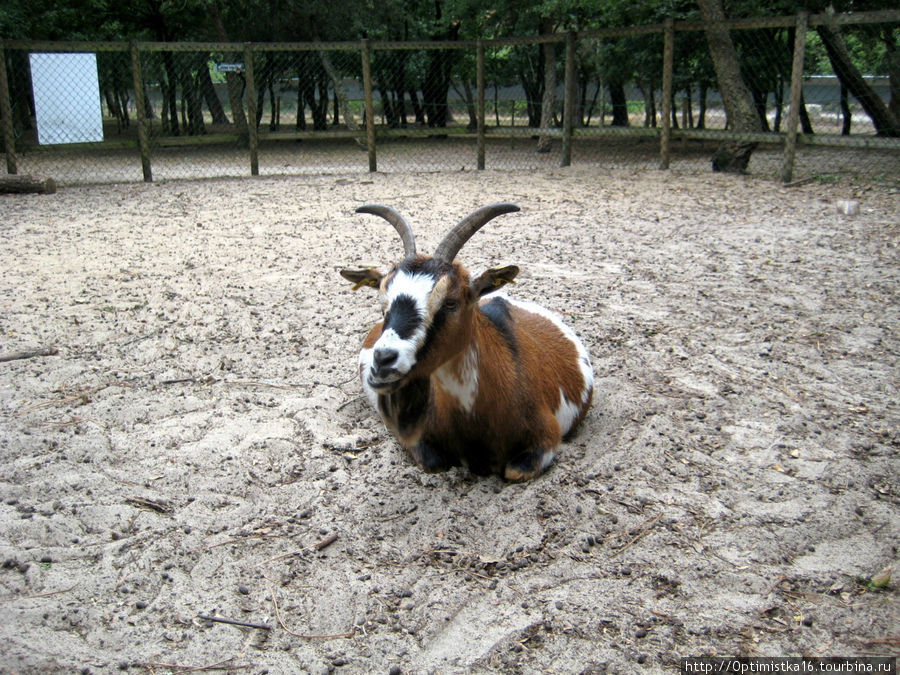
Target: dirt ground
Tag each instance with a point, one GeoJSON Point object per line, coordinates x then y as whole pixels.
{"type": "Point", "coordinates": [199, 445]}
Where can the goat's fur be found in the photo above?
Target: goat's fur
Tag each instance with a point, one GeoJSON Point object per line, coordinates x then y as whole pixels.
{"type": "Point", "coordinates": [460, 378]}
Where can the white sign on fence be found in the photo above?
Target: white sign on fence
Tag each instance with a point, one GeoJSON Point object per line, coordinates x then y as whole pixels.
{"type": "Point", "coordinates": [66, 98]}
{"type": "Point", "coordinates": [229, 67]}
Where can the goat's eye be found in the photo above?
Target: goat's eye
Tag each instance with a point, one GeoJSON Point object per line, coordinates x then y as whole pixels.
{"type": "Point", "coordinates": [451, 305]}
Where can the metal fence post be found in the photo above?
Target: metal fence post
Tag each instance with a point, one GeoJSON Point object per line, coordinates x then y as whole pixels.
{"type": "Point", "coordinates": [479, 83]}
{"type": "Point", "coordinates": [665, 136]}
{"type": "Point", "coordinates": [9, 142]}
{"type": "Point", "coordinates": [790, 140]}
{"type": "Point", "coordinates": [370, 105]}
{"type": "Point", "coordinates": [140, 106]}
{"type": "Point", "coordinates": [569, 101]}
{"type": "Point", "coordinates": [252, 128]}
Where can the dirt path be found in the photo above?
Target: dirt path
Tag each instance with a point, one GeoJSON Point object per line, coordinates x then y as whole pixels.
{"type": "Point", "coordinates": [199, 445]}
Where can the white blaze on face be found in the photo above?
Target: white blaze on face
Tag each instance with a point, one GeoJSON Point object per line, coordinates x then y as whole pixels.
{"type": "Point", "coordinates": [416, 287]}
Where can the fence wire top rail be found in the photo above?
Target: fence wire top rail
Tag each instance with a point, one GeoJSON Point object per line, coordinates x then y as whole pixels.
{"type": "Point", "coordinates": [813, 20]}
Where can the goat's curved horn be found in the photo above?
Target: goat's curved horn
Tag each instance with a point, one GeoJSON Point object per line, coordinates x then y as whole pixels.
{"type": "Point", "coordinates": [399, 223]}
{"type": "Point", "coordinates": [459, 235]}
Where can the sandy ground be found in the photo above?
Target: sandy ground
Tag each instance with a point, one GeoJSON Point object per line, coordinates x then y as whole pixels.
{"type": "Point", "coordinates": [199, 445]}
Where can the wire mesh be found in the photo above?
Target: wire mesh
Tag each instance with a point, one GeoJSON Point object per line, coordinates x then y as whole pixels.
{"type": "Point", "coordinates": [208, 110]}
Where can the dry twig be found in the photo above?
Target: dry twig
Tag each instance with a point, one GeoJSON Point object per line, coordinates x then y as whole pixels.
{"type": "Point", "coordinates": [149, 504]}
{"type": "Point", "coordinates": [220, 665]}
{"type": "Point", "coordinates": [39, 595]}
{"type": "Point", "coordinates": [232, 622]}
{"type": "Point", "coordinates": [29, 354]}
{"type": "Point", "coordinates": [304, 635]}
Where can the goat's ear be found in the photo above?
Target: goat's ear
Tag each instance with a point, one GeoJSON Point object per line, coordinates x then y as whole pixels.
{"type": "Point", "coordinates": [367, 277]}
{"type": "Point", "coordinates": [493, 279]}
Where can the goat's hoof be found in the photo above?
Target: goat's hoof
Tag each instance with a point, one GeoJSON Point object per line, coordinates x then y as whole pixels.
{"type": "Point", "coordinates": [428, 459]}
{"type": "Point", "coordinates": [528, 465]}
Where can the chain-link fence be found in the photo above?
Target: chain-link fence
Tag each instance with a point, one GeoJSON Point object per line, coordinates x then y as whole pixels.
{"type": "Point", "coordinates": [824, 89]}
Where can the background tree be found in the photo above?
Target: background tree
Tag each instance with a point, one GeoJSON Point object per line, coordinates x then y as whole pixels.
{"type": "Point", "coordinates": [736, 95]}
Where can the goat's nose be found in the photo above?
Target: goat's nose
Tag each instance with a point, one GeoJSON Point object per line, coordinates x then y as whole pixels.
{"type": "Point", "coordinates": [384, 358]}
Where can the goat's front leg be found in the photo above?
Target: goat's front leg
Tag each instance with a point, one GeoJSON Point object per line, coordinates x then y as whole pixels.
{"type": "Point", "coordinates": [430, 458]}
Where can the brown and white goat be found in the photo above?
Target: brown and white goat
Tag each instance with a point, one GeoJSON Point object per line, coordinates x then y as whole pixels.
{"type": "Point", "coordinates": [459, 378]}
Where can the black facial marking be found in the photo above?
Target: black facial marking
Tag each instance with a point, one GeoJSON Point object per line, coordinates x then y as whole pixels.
{"type": "Point", "coordinates": [403, 317]}
{"type": "Point", "coordinates": [497, 310]}
{"type": "Point", "coordinates": [437, 323]}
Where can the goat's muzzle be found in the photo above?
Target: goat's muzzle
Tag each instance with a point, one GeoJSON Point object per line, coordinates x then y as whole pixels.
{"type": "Point", "coordinates": [384, 375]}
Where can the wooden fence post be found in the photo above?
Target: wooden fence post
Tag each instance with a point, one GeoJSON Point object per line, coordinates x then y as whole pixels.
{"type": "Point", "coordinates": [569, 101]}
{"type": "Point", "coordinates": [479, 83]}
{"type": "Point", "coordinates": [9, 136]}
{"type": "Point", "coordinates": [790, 139]}
{"type": "Point", "coordinates": [252, 128]}
{"type": "Point", "coordinates": [140, 106]}
{"type": "Point", "coordinates": [370, 105]}
{"type": "Point", "coordinates": [665, 136]}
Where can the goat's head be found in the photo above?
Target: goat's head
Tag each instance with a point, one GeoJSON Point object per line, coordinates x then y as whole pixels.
{"type": "Point", "coordinates": [427, 301]}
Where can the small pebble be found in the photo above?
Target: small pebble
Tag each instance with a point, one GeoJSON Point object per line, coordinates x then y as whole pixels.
{"type": "Point", "coordinates": [640, 633]}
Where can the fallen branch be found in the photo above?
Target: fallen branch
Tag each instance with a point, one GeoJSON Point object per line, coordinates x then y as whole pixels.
{"type": "Point", "coordinates": [892, 641]}
{"type": "Point", "coordinates": [149, 504]}
{"type": "Point", "coordinates": [39, 595]}
{"type": "Point", "coordinates": [326, 542]}
{"type": "Point", "coordinates": [19, 183]}
{"type": "Point", "coordinates": [232, 622]}
{"type": "Point", "coordinates": [29, 354]}
{"type": "Point", "coordinates": [318, 546]}
{"type": "Point", "coordinates": [643, 529]}
{"type": "Point", "coordinates": [221, 665]}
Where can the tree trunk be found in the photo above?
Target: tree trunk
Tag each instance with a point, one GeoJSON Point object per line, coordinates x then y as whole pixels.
{"type": "Point", "coordinates": [170, 100]}
{"type": "Point", "coordinates": [886, 123]}
{"type": "Point", "coordinates": [436, 87]}
{"type": "Point", "coordinates": [846, 113]}
{"type": "Point", "coordinates": [805, 123]}
{"type": "Point", "coordinates": [548, 100]}
{"type": "Point", "coordinates": [191, 99]}
{"type": "Point", "coordinates": [233, 80]}
{"type": "Point", "coordinates": [893, 66]}
{"type": "Point", "coordinates": [469, 97]}
{"type": "Point", "coordinates": [732, 157]}
{"type": "Point", "coordinates": [209, 94]}
{"type": "Point", "coordinates": [339, 92]}
{"type": "Point", "coordinates": [418, 111]}
{"type": "Point", "coordinates": [619, 102]}
{"type": "Point", "coordinates": [701, 115]}
{"type": "Point", "coordinates": [300, 123]}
